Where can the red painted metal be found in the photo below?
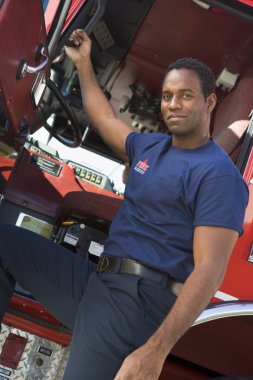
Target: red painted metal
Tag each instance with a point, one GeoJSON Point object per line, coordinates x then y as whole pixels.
{"type": "Point", "coordinates": [22, 191]}
{"type": "Point", "coordinates": [12, 350]}
{"type": "Point", "coordinates": [216, 345]}
{"type": "Point", "coordinates": [74, 9]}
{"type": "Point", "coordinates": [52, 7]}
{"type": "Point", "coordinates": [160, 41]}
{"type": "Point", "coordinates": [179, 370]}
{"type": "Point", "coordinates": [50, 13]}
{"type": "Point", "coordinates": [248, 2]}
{"type": "Point", "coordinates": [223, 346]}
{"type": "Point", "coordinates": [17, 92]}
{"type": "Point", "coordinates": [37, 329]}
{"type": "Point", "coordinates": [33, 308]}
{"type": "Point", "coordinates": [6, 166]}
{"type": "Point", "coordinates": [238, 279]}
{"type": "Point", "coordinates": [23, 186]}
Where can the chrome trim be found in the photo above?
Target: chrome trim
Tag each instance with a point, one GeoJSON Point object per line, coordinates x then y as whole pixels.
{"type": "Point", "coordinates": [225, 310]}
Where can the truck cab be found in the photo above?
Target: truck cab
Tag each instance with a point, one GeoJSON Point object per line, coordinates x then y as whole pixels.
{"type": "Point", "coordinates": [57, 177]}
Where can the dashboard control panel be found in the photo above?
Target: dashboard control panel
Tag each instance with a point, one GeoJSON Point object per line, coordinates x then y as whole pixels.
{"type": "Point", "coordinates": [84, 173]}
{"type": "Point", "coordinates": [90, 175]}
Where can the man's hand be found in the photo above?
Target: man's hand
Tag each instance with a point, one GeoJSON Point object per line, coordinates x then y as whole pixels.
{"type": "Point", "coordinates": [82, 47]}
{"type": "Point", "coordinates": [142, 364]}
{"type": "Point", "coordinates": [100, 112]}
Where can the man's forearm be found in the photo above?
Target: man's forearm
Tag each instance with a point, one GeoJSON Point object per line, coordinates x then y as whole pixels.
{"type": "Point", "coordinates": [194, 297]}
{"type": "Point", "coordinates": [147, 361]}
{"type": "Point", "coordinates": [212, 247]}
{"type": "Point", "coordinates": [95, 102]}
{"type": "Point", "coordinates": [99, 110]}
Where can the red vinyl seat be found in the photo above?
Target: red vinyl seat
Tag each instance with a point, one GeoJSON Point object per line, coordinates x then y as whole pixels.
{"type": "Point", "coordinates": [232, 115]}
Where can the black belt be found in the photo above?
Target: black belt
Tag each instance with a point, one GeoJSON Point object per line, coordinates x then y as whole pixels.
{"type": "Point", "coordinates": [127, 266]}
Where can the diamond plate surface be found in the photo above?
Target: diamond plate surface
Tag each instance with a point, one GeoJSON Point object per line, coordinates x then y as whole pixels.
{"type": "Point", "coordinates": [41, 359]}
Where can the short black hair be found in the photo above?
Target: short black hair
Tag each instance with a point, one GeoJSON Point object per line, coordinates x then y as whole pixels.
{"type": "Point", "coordinates": [204, 72]}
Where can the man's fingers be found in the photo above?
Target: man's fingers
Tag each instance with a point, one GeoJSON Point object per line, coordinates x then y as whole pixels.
{"type": "Point", "coordinates": [69, 44]}
{"type": "Point", "coordinates": [75, 39]}
{"type": "Point", "coordinates": [78, 36]}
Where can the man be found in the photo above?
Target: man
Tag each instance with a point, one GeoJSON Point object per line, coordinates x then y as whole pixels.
{"type": "Point", "coordinates": [190, 174]}
{"type": "Point", "coordinates": [168, 246]}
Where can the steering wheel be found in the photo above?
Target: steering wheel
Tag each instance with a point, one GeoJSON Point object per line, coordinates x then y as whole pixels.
{"type": "Point", "coordinates": [77, 132]}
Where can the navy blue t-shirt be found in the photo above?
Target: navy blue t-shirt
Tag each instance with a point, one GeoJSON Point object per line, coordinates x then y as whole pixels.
{"type": "Point", "coordinates": [170, 191]}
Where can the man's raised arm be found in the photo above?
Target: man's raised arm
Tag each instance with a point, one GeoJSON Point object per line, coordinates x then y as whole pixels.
{"type": "Point", "coordinates": [102, 116]}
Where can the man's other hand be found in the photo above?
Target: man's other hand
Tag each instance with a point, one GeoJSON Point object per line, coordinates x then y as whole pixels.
{"type": "Point", "coordinates": [142, 364]}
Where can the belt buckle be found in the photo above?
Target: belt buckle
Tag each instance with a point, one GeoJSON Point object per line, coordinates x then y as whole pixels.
{"type": "Point", "coordinates": [103, 264]}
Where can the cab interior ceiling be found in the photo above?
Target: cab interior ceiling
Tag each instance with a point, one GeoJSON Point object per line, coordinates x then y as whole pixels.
{"type": "Point", "coordinates": [153, 33]}
{"type": "Point", "coordinates": [185, 29]}
{"type": "Point", "coordinates": [145, 36]}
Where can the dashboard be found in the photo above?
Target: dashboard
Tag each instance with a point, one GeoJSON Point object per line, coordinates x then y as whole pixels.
{"type": "Point", "coordinates": [91, 176]}
{"type": "Point", "coordinates": [42, 158]}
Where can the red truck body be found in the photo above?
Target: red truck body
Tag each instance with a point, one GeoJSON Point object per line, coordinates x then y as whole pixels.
{"type": "Point", "coordinates": [133, 43]}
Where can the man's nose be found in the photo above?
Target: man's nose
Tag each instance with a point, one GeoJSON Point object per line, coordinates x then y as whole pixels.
{"type": "Point", "coordinates": [174, 103]}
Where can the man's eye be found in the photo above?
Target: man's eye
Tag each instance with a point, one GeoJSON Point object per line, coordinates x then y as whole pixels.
{"type": "Point", "coordinates": [187, 96]}
{"type": "Point", "coordinates": [166, 97]}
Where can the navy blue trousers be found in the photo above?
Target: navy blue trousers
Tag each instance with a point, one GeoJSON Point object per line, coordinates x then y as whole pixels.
{"type": "Point", "coordinates": [110, 314]}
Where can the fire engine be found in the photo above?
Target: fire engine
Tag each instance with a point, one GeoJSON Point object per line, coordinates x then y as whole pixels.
{"type": "Point", "coordinates": [73, 203]}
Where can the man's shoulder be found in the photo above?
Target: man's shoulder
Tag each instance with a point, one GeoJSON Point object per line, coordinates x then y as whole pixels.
{"type": "Point", "coordinates": [219, 161]}
{"type": "Point", "coordinates": [148, 136]}
{"type": "Point", "coordinates": [138, 141]}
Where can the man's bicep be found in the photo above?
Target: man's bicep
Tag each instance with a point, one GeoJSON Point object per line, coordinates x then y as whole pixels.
{"type": "Point", "coordinates": [221, 202]}
{"type": "Point", "coordinates": [213, 244]}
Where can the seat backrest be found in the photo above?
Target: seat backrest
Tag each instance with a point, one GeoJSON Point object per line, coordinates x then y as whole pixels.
{"type": "Point", "coordinates": [232, 115]}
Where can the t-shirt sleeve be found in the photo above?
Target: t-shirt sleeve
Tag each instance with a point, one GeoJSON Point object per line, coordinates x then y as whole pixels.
{"type": "Point", "coordinates": [130, 140]}
{"type": "Point", "coordinates": [221, 202]}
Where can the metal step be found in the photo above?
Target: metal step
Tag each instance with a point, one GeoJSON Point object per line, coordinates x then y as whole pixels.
{"type": "Point", "coordinates": [25, 356]}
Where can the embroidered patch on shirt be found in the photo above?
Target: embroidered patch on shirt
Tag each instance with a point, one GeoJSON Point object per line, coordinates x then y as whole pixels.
{"type": "Point", "coordinates": [142, 166]}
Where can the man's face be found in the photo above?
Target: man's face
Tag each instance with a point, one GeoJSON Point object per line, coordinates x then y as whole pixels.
{"type": "Point", "coordinates": [185, 110]}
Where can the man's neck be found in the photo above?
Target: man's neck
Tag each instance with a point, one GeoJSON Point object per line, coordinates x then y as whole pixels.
{"type": "Point", "coordinates": [184, 143]}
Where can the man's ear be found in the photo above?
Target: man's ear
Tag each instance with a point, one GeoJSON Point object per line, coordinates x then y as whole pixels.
{"type": "Point", "coordinates": [211, 102]}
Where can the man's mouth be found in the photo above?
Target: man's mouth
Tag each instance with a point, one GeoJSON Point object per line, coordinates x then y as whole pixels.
{"type": "Point", "coordinates": [175, 119]}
